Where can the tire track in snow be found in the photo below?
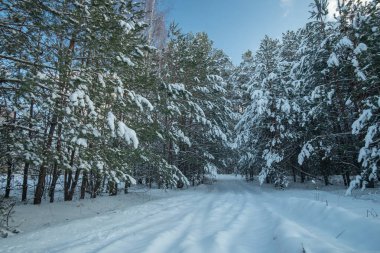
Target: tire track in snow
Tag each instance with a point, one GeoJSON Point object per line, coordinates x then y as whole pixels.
{"type": "Point", "coordinates": [199, 226]}
{"type": "Point", "coordinates": [229, 216]}
{"type": "Point", "coordinates": [220, 216]}
{"type": "Point", "coordinates": [249, 232]}
{"type": "Point", "coordinates": [133, 231]}
{"type": "Point", "coordinates": [80, 235]}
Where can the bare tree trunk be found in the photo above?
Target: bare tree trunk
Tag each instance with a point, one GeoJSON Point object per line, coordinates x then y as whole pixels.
{"type": "Point", "coordinates": [69, 177]}
{"type": "Point", "coordinates": [98, 183]}
{"type": "Point", "coordinates": [64, 61]}
{"type": "Point", "coordinates": [104, 181]}
{"type": "Point", "coordinates": [42, 174]}
{"type": "Point", "coordinates": [74, 185]}
{"type": "Point", "coordinates": [90, 184]}
{"type": "Point", "coordinates": [26, 166]}
{"type": "Point", "coordinates": [325, 170]}
{"type": "Point", "coordinates": [302, 176]}
{"type": "Point", "coordinates": [40, 186]}
{"type": "Point", "coordinates": [344, 179]}
{"type": "Point", "coordinates": [84, 185]}
{"type": "Point", "coordinates": [25, 182]}
{"type": "Point", "coordinates": [10, 165]}
{"type": "Point", "coordinates": [67, 183]}
{"type": "Point", "coordinates": [348, 179]}
{"type": "Point", "coordinates": [9, 179]}
{"type": "Point", "coordinates": [126, 186]}
{"type": "Point", "coordinates": [56, 174]}
{"type": "Point", "coordinates": [294, 175]}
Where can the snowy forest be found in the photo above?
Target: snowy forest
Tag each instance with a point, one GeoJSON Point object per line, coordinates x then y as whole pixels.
{"type": "Point", "coordinates": [97, 96]}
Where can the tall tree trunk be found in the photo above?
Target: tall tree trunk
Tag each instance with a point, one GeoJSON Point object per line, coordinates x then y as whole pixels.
{"type": "Point", "coordinates": [344, 179]}
{"type": "Point", "coordinates": [294, 174]}
{"type": "Point", "coordinates": [348, 179]}
{"type": "Point", "coordinates": [325, 170]}
{"type": "Point", "coordinates": [302, 176]}
{"type": "Point", "coordinates": [56, 174]}
{"type": "Point", "coordinates": [27, 164]}
{"type": "Point", "coordinates": [84, 185]}
{"type": "Point", "coordinates": [68, 180]}
{"type": "Point", "coordinates": [9, 179]}
{"type": "Point", "coordinates": [64, 61]}
{"type": "Point", "coordinates": [42, 173]}
{"type": "Point", "coordinates": [90, 184]}
{"type": "Point", "coordinates": [126, 186]}
{"type": "Point", "coordinates": [74, 185]}
{"type": "Point", "coordinates": [10, 165]}
{"type": "Point", "coordinates": [69, 184]}
{"type": "Point", "coordinates": [40, 185]}
{"type": "Point", "coordinates": [98, 183]}
{"type": "Point", "coordinates": [25, 182]}
{"type": "Point", "coordinates": [104, 181]}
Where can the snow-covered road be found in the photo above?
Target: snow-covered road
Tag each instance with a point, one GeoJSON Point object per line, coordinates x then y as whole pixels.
{"type": "Point", "coordinates": [229, 216]}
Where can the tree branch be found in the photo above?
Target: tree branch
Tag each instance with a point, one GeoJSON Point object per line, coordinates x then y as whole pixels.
{"type": "Point", "coordinates": [25, 62]}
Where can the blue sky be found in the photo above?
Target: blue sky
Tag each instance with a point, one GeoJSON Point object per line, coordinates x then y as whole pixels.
{"type": "Point", "coordinates": [238, 25]}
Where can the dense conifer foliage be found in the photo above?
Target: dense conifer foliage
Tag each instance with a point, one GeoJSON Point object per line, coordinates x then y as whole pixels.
{"type": "Point", "coordinates": [95, 94]}
{"type": "Point", "coordinates": [311, 100]}
{"type": "Point", "coordinates": [87, 102]}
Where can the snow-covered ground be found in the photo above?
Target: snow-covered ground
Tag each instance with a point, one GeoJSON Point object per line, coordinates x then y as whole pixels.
{"type": "Point", "coordinates": [228, 216]}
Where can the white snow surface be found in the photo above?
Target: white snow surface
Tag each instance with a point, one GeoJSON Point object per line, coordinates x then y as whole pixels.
{"type": "Point", "coordinates": [228, 216]}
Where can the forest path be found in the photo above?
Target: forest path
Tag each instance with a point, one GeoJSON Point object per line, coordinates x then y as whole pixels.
{"type": "Point", "coordinates": [228, 216]}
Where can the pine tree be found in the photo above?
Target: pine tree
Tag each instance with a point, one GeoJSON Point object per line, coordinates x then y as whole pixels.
{"type": "Point", "coordinates": [79, 85]}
